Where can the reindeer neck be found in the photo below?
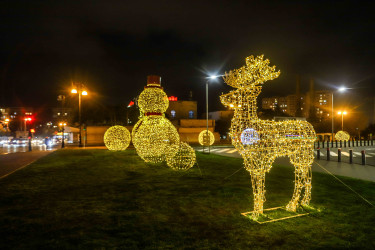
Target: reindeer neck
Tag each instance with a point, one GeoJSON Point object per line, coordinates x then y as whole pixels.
{"type": "Point", "coordinates": [248, 104]}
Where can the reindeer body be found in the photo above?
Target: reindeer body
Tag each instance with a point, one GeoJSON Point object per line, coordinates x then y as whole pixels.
{"type": "Point", "coordinates": [260, 141]}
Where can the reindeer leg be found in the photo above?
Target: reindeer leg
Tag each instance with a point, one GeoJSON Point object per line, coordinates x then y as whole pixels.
{"type": "Point", "coordinates": [258, 181]}
{"type": "Point", "coordinates": [298, 185]}
{"type": "Point", "coordinates": [307, 197]}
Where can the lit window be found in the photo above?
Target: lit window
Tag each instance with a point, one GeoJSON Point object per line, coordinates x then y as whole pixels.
{"type": "Point", "coordinates": [191, 114]}
{"type": "Point", "coordinates": [173, 113]}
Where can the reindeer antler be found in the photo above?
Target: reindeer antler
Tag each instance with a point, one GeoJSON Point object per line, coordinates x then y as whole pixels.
{"type": "Point", "coordinates": [256, 71]}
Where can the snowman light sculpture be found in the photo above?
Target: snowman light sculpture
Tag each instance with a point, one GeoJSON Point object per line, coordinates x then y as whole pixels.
{"type": "Point", "coordinates": [153, 134]}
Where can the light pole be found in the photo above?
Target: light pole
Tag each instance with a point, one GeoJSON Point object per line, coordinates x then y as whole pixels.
{"type": "Point", "coordinates": [80, 90]}
{"type": "Point", "coordinates": [27, 120]}
{"type": "Point", "coordinates": [207, 135]}
{"type": "Point", "coordinates": [342, 113]}
{"type": "Point", "coordinates": [62, 124]}
{"type": "Point", "coordinates": [7, 123]}
{"type": "Point", "coordinates": [341, 89]}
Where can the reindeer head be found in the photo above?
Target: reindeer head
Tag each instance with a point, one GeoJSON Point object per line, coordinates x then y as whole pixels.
{"type": "Point", "coordinates": [248, 80]}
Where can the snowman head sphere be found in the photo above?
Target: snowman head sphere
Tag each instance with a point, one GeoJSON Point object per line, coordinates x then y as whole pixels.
{"type": "Point", "coordinates": [153, 100]}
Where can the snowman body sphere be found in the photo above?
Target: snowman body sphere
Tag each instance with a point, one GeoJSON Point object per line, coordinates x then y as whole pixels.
{"type": "Point", "coordinates": [153, 134]}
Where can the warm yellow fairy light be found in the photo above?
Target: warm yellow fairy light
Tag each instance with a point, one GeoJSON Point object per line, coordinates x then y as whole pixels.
{"type": "Point", "coordinates": [206, 138]}
{"type": "Point", "coordinates": [342, 136]}
{"type": "Point", "coordinates": [181, 156]}
{"type": "Point", "coordinates": [152, 137]}
{"type": "Point", "coordinates": [117, 138]}
{"type": "Point", "coordinates": [260, 141]}
{"type": "Point", "coordinates": [153, 134]}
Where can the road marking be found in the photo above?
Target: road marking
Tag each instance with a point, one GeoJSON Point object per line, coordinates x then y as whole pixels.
{"type": "Point", "coordinates": [345, 153]}
{"type": "Point", "coordinates": [232, 151]}
{"type": "Point", "coordinates": [356, 153]}
{"type": "Point", "coordinates": [223, 150]}
{"type": "Point", "coordinates": [333, 153]}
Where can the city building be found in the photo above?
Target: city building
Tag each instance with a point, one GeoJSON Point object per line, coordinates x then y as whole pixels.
{"type": "Point", "coordinates": [179, 109]}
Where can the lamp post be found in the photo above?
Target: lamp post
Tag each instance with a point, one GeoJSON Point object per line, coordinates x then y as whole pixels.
{"type": "Point", "coordinates": [208, 80]}
{"type": "Point", "coordinates": [342, 113]}
{"type": "Point", "coordinates": [341, 89]}
{"type": "Point", "coordinates": [79, 89]}
{"type": "Point", "coordinates": [62, 124]}
{"type": "Point", "coordinates": [27, 120]}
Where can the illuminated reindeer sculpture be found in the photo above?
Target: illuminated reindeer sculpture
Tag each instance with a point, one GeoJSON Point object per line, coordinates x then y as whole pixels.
{"type": "Point", "coordinates": [260, 141]}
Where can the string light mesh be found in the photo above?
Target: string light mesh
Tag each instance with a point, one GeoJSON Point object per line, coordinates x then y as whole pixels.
{"type": "Point", "coordinates": [181, 156]}
{"type": "Point", "coordinates": [342, 136]}
{"type": "Point", "coordinates": [206, 138]}
{"type": "Point", "coordinates": [117, 138]}
{"type": "Point", "coordinates": [153, 134]}
{"type": "Point", "coordinates": [152, 137]}
{"type": "Point", "coordinates": [260, 141]}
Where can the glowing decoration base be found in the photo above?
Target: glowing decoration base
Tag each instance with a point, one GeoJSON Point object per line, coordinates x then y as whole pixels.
{"type": "Point", "coordinates": [154, 134]}
{"type": "Point", "coordinates": [117, 138]}
{"type": "Point", "coordinates": [181, 156]}
{"type": "Point", "coordinates": [342, 136]}
{"type": "Point", "coordinates": [273, 214]}
{"type": "Point", "coordinates": [206, 138]}
{"type": "Point", "coordinates": [260, 141]}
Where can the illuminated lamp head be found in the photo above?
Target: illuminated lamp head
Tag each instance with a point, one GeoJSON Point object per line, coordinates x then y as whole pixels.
{"type": "Point", "coordinates": [249, 136]}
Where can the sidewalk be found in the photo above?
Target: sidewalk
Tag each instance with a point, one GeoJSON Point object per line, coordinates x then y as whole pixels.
{"type": "Point", "coordinates": [363, 172]}
{"type": "Point", "coordinates": [10, 163]}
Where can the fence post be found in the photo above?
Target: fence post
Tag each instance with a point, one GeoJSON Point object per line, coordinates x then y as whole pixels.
{"type": "Point", "coordinates": [356, 142]}
{"type": "Point", "coordinates": [340, 143]}
{"type": "Point", "coordinates": [372, 142]}
{"type": "Point", "coordinates": [318, 144]}
{"type": "Point", "coordinates": [318, 153]}
{"type": "Point", "coordinates": [339, 155]}
{"type": "Point", "coordinates": [336, 144]}
{"type": "Point", "coordinates": [360, 142]}
{"type": "Point", "coordinates": [363, 157]}
{"type": "Point", "coordinates": [351, 156]}
{"type": "Point", "coordinates": [323, 143]}
{"type": "Point", "coordinates": [344, 144]}
{"type": "Point", "coordinates": [349, 143]}
{"type": "Point", "coordinates": [328, 155]}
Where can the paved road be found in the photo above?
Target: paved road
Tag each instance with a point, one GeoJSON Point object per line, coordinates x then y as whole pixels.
{"type": "Point", "coordinates": [366, 172]}
{"type": "Point", "coordinates": [10, 163]}
{"type": "Point", "coordinates": [5, 149]}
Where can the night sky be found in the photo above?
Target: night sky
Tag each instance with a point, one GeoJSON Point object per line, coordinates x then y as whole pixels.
{"type": "Point", "coordinates": [112, 46]}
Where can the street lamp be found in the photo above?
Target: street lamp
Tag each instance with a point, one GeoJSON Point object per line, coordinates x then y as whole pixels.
{"type": "Point", "coordinates": [79, 89]}
{"type": "Point", "coordinates": [342, 113]}
{"type": "Point", "coordinates": [62, 124]}
{"type": "Point", "coordinates": [212, 77]}
{"type": "Point", "coordinates": [7, 123]}
{"type": "Point", "coordinates": [341, 89]}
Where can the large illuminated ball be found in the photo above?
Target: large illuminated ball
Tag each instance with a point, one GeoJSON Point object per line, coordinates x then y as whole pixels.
{"type": "Point", "coordinates": [206, 139]}
{"type": "Point", "coordinates": [153, 100]}
{"type": "Point", "coordinates": [181, 156]}
{"type": "Point", "coordinates": [249, 136]}
{"type": "Point", "coordinates": [342, 136]}
{"type": "Point", "coordinates": [117, 138]}
{"type": "Point", "coordinates": [152, 137]}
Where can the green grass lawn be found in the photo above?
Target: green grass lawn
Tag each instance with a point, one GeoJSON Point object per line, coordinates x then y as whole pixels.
{"type": "Point", "coordinates": [101, 199]}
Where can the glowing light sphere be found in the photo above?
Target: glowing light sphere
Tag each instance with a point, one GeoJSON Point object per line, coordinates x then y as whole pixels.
{"type": "Point", "coordinates": [205, 139]}
{"type": "Point", "coordinates": [181, 156]}
{"type": "Point", "coordinates": [342, 136]}
{"type": "Point", "coordinates": [249, 136]}
{"type": "Point", "coordinates": [152, 137]}
{"type": "Point", "coordinates": [117, 138]}
{"type": "Point", "coordinates": [153, 100]}
{"type": "Point", "coordinates": [260, 141]}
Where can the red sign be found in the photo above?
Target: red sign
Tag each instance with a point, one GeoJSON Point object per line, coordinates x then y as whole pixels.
{"type": "Point", "coordinates": [131, 103]}
{"type": "Point", "coordinates": [172, 98]}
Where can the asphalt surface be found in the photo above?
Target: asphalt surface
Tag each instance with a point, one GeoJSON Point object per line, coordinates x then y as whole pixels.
{"type": "Point", "coordinates": [9, 163]}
